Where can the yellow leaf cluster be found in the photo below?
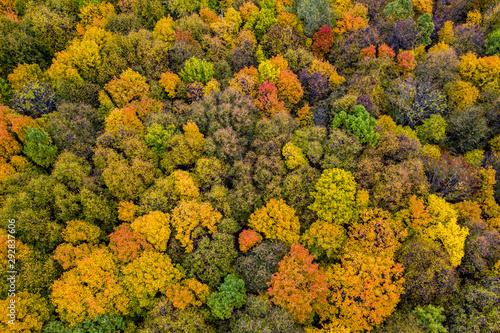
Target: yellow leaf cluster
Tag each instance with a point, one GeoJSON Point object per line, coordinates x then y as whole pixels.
{"type": "Point", "coordinates": [462, 94]}
{"type": "Point", "coordinates": [126, 211]}
{"type": "Point", "coordinates": [247, 9]}
{"type": "Point", "coordinates": [80, 231]}
{"type": "Point", "coordinates": [327, 70]}
{"type": "Point", "coordinates": [147, 275]}
{"type": "Point", "coordinates": [31, 313]}
{"type": "Point", "coordinates": [422, 7]}
{"type": "Point", "coordinates": [474, 17]}
{"type": "Point", "coordinates": [335, 196]}
{"type": "Point", "coordinates": [125, 117]}
{"type": "Point", "coordinates": [170, 81]}
{"type": "Point", "coordinates": [324, 238]}
{"type": "Point", "coordinates": [92, 14]}
{"type": "Point", "coordinates": [189, 216]}
{"type": "Point", "coordinates": [131, 85]}
{"type": "Point", "coordinates": [293, 155]}
{"type": "Point", "coordinates": [305, 116]}
{"type": "Point", "coordinates": [212, 85]}
{"type": "Point", "coordinates": [90, 289]}
{"type": "Point", "coordinates": [165, 30]}
{"type": "Point", "coordinates": [276, 220]}
{"type": "Point", "coordinates": [439, 221]}
{"type": "Point", "coordinates": [24, 73]}
{"type": "Point", "coordinates": [156, 227]}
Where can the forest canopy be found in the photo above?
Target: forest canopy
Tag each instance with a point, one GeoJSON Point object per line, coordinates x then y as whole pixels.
{"type": "Point", "coordinates": [249, 166]}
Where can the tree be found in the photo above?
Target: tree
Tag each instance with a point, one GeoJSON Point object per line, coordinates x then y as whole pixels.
{"type": "Point", "coordinates": [156, 227]}
{"type": "Point", "coordinates": [147, 275]}
{"type": "Point", "coordinates": [35, 99]}
{"type": "Point", "coordinates": [260, 315]}
{"type": "Point", "coordinates": [267, 100]}
{"type": "Point", "coordinates": [231, 295]}
{"type": "Point", "coordinates": [279, 39]}
{"type": "Point", "coordinates": [430, 318]}
{"type": "Point", "coordinates": [31, 313]}
{"type": "Point", "coordinates": [294, 157]}
{"type": "Point", "coordinates": [426, 28]}
{"type": "Point", "coordinates": [212, 259]}
{"type": "Point", "coordinates": [52, 28]}
{"type": "Point", "coordinates": [74, 127]}
{"type": "Point", "coordinates": [188, 292]}
{"type": "Point", "coordinates": [467, 130]}
{"type": "Point", "coordinates": [165, 317]}
{"type": "Point", "coordinates": [322, 41]}
{"type": "Point", "coordinates": [334, 197]}
{"type": "Point", "coordinates": [493, 42]}
{"type": "Point", "coordinates": [429, 277]}
{"type": "Point", "coordinates": [261, 262]}
{"type": "Point", "coordinates": [398, 9]}
{"type": "Point", "coordinates": [315, 14]}
{"type": "Point", "coordinates": [276, 220]}
{"type": "Point", "coordinates": [90, 289]}
{"type": "Point", "coordinates": [183, 149]}
{"type": "Point", "coordinates": [39, 147]}
{"type": "Point", "coordinates": [361, 125]}
{"type": "Point", "coordinates": [77, 232]}
{"type": "Point", "coordinates": [260, 22]}
{"type": "Point", "coordinates": [131, 85]}
{"type": "Point", "coordinates": [170, 82]}
{"type": "Point", "coordinates": [71, 170]}
{"type": "Point", "coordinates": [197, 70]}
{"type": "Point", "coordinates": [189, 217]}
{"type": "Point", "coordinates": [413, 101]}
{"type": "Point", "coordinates": [324, 238]}
{"type": "Point", "coordinates": [167, 191]}
{"type": "Point", "coordinates": [298, 286]}
{"type": "Point", "coordinates": [104, 324]}
{"type": "Point", "coordinates": [165, 30]}
{"type": "Point", "coordinates": [365, 289]}
{"type": "Point", "coordinates": [126, 244]}
{"type": "Point", "coordinates": [475, 307]}
{"type": "Point", "coordinates": [289, 87]}
{"type": "Point", "coordinates": [248, 239]}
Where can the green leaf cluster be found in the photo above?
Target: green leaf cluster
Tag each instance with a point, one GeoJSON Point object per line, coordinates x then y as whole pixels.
{"type": "Point", "coordinates": [231, 295]}
{"type": "Point", "coordinates": [361, 125]}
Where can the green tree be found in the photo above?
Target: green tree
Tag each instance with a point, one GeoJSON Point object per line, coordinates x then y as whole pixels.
{"type": "Point", "coordinates": [197, 70]}
{"type": "Point", "coordinates": [493, 42]}
{"type": "Point", "coordinates": [314, 13]}
{"type": "Point", "coordinates": [431, 318]}
{"type": "Point", "coordinates": [398, 9]}
{"type": "Point", "coordinates": [361, 125]}
{"type": "Point", "coordinates": [231, 295]}
{"type": "Point", "coordinates": [426, 28]}
{"type": "Point", "coordinates": [158, 136]}
{"type": "Point", "coordinates": [39, 147]}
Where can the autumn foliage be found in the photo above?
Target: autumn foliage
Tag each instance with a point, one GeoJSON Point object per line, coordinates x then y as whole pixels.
{"type": "Point", "coordinates": [299, 286]}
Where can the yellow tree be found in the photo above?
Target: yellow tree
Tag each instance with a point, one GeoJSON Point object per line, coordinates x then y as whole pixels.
{"type": "Point", "coordinates": [131, 85]}
{"type": "Point", "coordinates": [147, 275]}
{"type": "Point", "coordinates": [77, 232]}
{"type": "Point", "coordinates": [276, 220]}
{"type": "Point", "coordinates": [190, 217]}
{"type": "Point", "coordinates": [364, 290]}
{"type": "Point", "coordinates": [90, 289]}
{"type": "Point", "coordinates": [335, 196]}
{"type": "Point", "coordinates": [156, 227]}
{"type": "Point", "coordinates": [31, 312]}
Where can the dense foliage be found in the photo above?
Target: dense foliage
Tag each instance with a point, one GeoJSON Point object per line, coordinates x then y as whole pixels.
{"type": "Point", "coordinates": [250, 166]}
